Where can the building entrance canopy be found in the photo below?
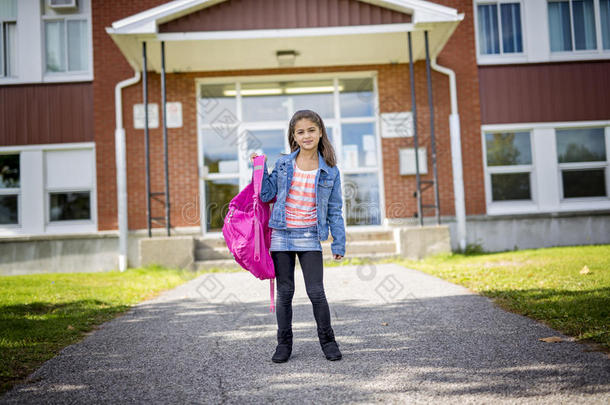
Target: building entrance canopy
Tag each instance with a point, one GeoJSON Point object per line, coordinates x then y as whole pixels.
{"type": "Point", "coordinates": [207, 35]}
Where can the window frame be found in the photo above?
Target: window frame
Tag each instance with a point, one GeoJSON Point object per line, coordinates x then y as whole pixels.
{"type": "Point", "coordinates": [529, 168]}
{"type": "Point", "coordinates": [519, 56]}
{"type": "Point", "coordinates": [13, 191]}
{"type": "Point", "coordinates": [583, 165]}
{"type": "Point", "coordinates": [76, 16]}
{"type": "Point", "coordinates": [334, 123]}
{"type": "Point", "coordinates": [48, 223]}
{"type": "Point", "coordinates": [4, 64]}
{"type": "Point", "coordinates": [33, 197]}
{"type": "Point", "coordinates": [547, 187]}
{"type": "Point", "coordinates": [598, 33]}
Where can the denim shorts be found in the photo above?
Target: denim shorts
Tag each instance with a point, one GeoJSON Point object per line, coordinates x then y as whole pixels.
{"type": "Point", "coordinates": [295, 239]}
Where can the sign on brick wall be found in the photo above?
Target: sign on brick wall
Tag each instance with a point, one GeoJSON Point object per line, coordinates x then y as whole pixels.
{"type": "Point", "coordinates": [397, 124]}
{"type": "Point", "coordinates": [153, 116]}
{"type": "Point", "coordinates": [174, 115]}
{"type": "Point", "coordinates": [406, 157]}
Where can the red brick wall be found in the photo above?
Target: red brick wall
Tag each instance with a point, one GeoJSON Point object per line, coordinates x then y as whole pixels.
{"type": "Point", "coordinates": [109, 68]}
{"type": "Point", "coordinates": [394, 93]}
{"type": "Point", "coordinates": [460, 55]}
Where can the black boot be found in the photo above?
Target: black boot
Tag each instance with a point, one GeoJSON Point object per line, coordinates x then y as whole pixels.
{"type": "Point", "coordinates": [284, 346]}
{"type": "Point", "coordinates": [329, 346]}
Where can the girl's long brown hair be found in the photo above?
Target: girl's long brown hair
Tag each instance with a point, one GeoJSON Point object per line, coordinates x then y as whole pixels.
{"type": "Point", "coordinates": [324, 146]}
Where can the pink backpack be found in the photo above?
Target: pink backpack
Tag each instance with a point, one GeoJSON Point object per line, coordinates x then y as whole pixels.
{"type": "Point", "coordinates": [246, 229]}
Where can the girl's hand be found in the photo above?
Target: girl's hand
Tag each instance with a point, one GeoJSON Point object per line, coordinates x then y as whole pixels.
{"type": "Point", "coordinates": [338, 257]}
{"type": "Point", "coordinates": [253, 155]}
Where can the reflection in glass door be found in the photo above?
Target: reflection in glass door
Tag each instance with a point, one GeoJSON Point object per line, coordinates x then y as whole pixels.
{"type": "Point", "coordinates": [218, 153]}
{"type": "Point", "coordinates": [359, 152]}
{"type": "Point", "coordinates": [263, 141]}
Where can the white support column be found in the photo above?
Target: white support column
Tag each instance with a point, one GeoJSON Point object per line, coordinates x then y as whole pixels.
{"type": "Point", "coordinates": [545, 171]}
{"type": "Point", "coordinates": [32, 207]}
{"type": "Point", "coordinates": [29, 37]}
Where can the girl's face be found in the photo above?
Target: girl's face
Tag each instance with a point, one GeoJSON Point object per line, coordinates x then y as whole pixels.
{"type": "Point", "coordinates": [307, 134]}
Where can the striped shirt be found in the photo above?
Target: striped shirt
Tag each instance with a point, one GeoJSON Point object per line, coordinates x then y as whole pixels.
{"type": "Point", "coordinates": [301, 199]}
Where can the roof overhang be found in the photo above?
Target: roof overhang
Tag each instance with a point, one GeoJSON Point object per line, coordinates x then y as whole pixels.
{"type": "Point", "coordinates": [256, 49]}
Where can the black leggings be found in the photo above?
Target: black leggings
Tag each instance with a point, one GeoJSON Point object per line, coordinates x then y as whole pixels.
{"type": "Point", "coordinates": [311, 263]}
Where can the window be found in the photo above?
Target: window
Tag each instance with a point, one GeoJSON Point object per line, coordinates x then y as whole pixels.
{"type": "Point", "coordinates": [499, 27]}
{"type": "Point", "coordinates": [66, 206]}
{"type": "Point", "coordinates": [509, 165]}
{"type": "Point", "coordinates": [69, 184]}
{"type": "Point", "coordinates": [46, 189]}
{"type": "Point", "coordinates": [573, 24]}
{"type": "Point", "coordinates": [604, 9]}
{"type": "Point", "coordinates": [9, 189]}
{"type": "Point", "coordinates": [8, 38]}
{"type": "Point", "coordinates": [581, 157]}
{"type": "Point", "coordinates": [66, 40]}
{"type": "Point", "coordinates": [547, 167]}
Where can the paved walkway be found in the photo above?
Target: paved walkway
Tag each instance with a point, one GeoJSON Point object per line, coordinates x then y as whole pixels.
{"type": "Point", "coordinates": [406, 337]}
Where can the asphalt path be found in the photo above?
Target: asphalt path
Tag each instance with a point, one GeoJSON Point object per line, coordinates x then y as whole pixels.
{"type": "Point", "coordinates": [406, 337]}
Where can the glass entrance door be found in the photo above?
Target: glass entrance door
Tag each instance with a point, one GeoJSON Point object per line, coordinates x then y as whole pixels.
{"type": "Point", "coordinates": [236, 119]}
{"type": "Point", "coordinates": [360, 152]}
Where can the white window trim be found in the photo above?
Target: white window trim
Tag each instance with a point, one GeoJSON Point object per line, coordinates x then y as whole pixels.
{"type": "Point", "coordinates": [502, 57]}
{"type": "Point", "coordinates": [75, 224]}
{"type": "Point", "coordinates": [510, 205]}
{"type": "Point", "coordinates": [43, 226]}
{"type": "Point", "coordinates": [62, 76]}
{"type": "Point", "coordinates": [547, 168]}
{"type": "Point", "coordinates": [585, 165]}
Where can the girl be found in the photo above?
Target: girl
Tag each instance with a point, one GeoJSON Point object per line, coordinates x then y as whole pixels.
{"type": "Point", "coordinates": [307, 185]}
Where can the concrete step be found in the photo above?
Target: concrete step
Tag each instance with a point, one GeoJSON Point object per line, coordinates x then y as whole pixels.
{"type": "Point", "coordinates": [232, 264]}
{"type": "Point", "coordinates": [353, 236]}
{"type": "Point", "coordinates": [222, 264]}
{"type": "Point", "coordinates": [353, 248]}
{"type": "Point", "coordinates": [209, 243]}
{"type": "Point", "coordinates": [217, 253]}
{"type": "Point", "coordinates": [357, 248]}
{"type": "Point", "coordinates": [364, 235]}
{"type": "Point", "coordinates": [361, 243]}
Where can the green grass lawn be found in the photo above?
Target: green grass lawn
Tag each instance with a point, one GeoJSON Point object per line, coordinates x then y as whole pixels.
{"type": "Point", "coordinates": [543, 284]}
{"type": "Point", "coordinates": [41, 314]}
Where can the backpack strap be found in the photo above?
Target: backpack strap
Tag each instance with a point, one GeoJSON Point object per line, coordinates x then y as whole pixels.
{"type": "Point", "coordinates": [272, 307]}
{"type": "Point", "coordinates": [257, 174]}
{"type": "Point", "coordinates": [257, 180]}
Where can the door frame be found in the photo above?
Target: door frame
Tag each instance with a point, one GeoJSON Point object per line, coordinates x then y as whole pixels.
{"type": "Point", "coordinates": [335, 123]}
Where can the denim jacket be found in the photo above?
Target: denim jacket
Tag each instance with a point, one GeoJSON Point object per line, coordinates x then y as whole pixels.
{"type": "Point", "coordinates": [329, 202]}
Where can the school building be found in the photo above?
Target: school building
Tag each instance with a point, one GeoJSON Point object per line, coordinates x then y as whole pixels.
{"type": "Point", "coordinates": [505, 101]}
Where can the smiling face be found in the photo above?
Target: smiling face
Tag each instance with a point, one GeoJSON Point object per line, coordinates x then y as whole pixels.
{"type": "Point", "coordinates": [307, 134]}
